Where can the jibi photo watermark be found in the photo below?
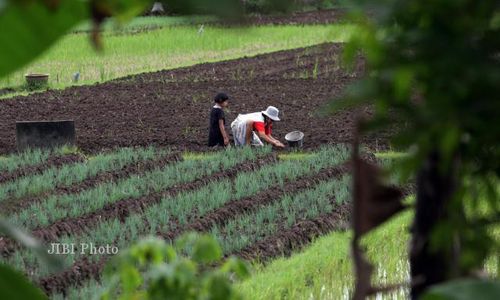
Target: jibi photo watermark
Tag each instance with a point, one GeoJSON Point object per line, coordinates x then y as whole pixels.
{"type": "Point", "coordinates": [82, 249]}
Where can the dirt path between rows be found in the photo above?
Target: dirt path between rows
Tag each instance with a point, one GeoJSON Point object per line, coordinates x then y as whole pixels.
{"type": "Point", "coordinates": [326, 16]}
{"type": "Point", "coordinates": [313, 17]}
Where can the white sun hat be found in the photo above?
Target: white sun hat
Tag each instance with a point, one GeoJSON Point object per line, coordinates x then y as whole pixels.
{"type": "Point", "coordinates": [272, 112]}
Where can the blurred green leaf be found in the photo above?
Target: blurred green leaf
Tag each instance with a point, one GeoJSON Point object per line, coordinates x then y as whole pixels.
{"type": "Point", "coordinates": [237, 266]}
{"type": "Point", "coordinates": [32, 244]}
{"type": "Point", "coordinates": [206, 250]}
{"type": "Point", "coordinates": [403, 78]}
{"type": "Point", "coordinates": [202, 248]}
{"type": "Point", "coordinates": [217, 286]}
{"type": "Point", "coordinates": [151, 251]}
{"type": "Point", "coordinates": [464, 289]}
{"type": "Point", "coordinates": [130, 278]}
{"type": "Point", "coordinates": [31, 27]}
{"type": "Point", "coordinates": [13, 285]}
{"type": "Point", "coordinates": [358, 95]}
{"type": "Point", "coordinates": [176, 276]}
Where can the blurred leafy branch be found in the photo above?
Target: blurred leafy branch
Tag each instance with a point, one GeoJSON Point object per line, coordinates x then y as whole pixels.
{"type": "Point", "coordinates": [153, 269]}
{"type": "Point", "coordinates": [14, 285]}
{"type": "Point", "coordinates": [432, 82]}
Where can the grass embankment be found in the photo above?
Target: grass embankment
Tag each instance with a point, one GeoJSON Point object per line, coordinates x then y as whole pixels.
{"type": "Point", "coordinates": [324, 269]}
{"type": "Point", "coordinates": [145, 23]}
{"type": "Point", "coordinates": [165, 48]}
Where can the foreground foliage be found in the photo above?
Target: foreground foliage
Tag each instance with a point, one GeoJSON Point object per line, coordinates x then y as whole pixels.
{"type": "Point", "coordinates": [153, 269]}
{"type": "Point", "coordinates": [433, 81]}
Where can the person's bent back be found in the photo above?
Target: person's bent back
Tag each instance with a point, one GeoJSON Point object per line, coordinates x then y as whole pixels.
{"type": "Point", "coordinates": [253, 128]}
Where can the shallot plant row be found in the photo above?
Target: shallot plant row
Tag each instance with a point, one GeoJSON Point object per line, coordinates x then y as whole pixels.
{"type": "Point", "coordinates": [57, 207]}
{"type": "Point", "coordinates": [173, 213]}
{"type": "Point", "coordinates": [68, 175]}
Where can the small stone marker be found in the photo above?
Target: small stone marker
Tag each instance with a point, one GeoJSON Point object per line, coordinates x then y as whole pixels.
{"type": "Point", "coordinates": [44, 134]}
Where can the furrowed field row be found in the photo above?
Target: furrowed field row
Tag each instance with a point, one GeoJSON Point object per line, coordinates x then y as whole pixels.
{"type": "Point", "coordinates": [212, 202]}
{"type": "Point", "coordinates": [72, 174]}
{"type": "Point", "coordinates": [57, 207]}
{"type": "Point", "coordinates": [221, 215]}
{"type": "Point", "coordinates": [309, 204]}
{"type": "Point", "coordinates": [29, 270]}
{"type": "Point", "coordinates": [134, 168]}
{"type": "Point", "coordinates": [84, 269]}
{"type": "Point", "coordinates": [26, 158]}
{"type": "Point", "coordinates": [282, 243]}
{"type": "Point", "coordinates": [186, 206]}
{"type": "Point", "coordinates": [34, 162]}
{"type": "Point", "coordinates": [189, 207]}
{"type": "Point", "coordinates": [288, 240]}
{"type": "Point", "coordinates": [122, 209]}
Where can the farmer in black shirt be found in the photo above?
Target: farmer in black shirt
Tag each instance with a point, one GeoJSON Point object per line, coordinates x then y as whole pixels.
{"type": "Point", "coordinates": [217, 135]}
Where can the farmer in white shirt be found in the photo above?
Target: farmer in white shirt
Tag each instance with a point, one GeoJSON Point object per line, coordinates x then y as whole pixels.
{"type": "Point", "coordinates": [253, 128]}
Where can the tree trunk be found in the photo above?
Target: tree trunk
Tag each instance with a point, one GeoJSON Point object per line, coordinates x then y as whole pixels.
{"type": "Point", "coordinates": [435, 188]}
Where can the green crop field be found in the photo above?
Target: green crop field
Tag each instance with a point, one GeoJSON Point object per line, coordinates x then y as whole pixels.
{"type": "Point", "coordinates": [243, 197]}
{"type": "Point", "coordinates": [166, 47]}
{"type": "Point", "coordinates": [89, 200]}
{"type": "Point", "coordinates": [140, 168]}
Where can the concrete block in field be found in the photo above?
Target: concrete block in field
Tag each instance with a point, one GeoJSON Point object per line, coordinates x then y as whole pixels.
{"type": "Point", "coordinates": [44, 134]}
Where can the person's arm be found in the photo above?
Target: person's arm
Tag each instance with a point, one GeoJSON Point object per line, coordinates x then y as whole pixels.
{"type": "Point", "coordinates": [223, 131]}
{"type": "Point", "coordinates": [277, 141]}
{"type": "Point", "coordinates": [270, 140]}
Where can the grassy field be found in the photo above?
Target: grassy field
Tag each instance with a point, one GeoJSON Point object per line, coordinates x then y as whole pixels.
{"type": "Point", "coordinates": [144, 23]}
{"type": "Point", "coordinates": [165, 48]}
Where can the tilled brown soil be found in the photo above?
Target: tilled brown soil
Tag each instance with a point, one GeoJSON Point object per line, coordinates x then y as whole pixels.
{"type": "Point", "coordinates": [51, 162]}
{"type": "Point", "coordinates": [137, 168]}
{"type": "Point", "coordinates": [326, 16]}
{"type": "Point", "coordinates": [122, 209]}
{"type": "Point", "coordinates": [171, 108]}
